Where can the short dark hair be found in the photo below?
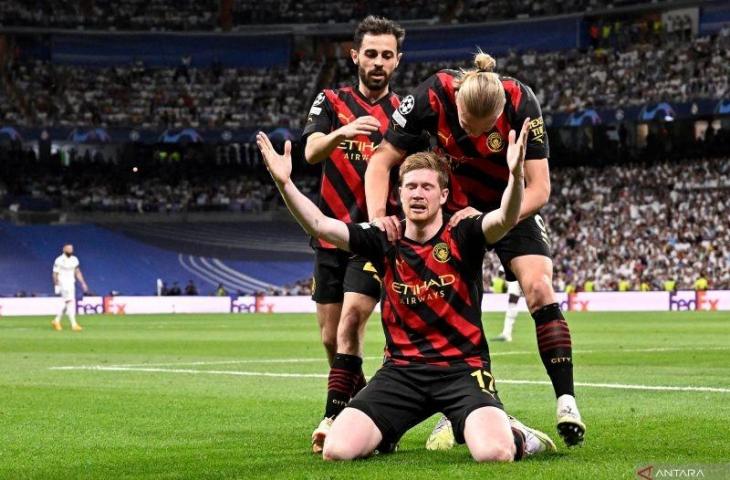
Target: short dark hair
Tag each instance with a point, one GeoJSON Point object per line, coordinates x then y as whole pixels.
{"type": "Point", "coordinates": [427, 161]}
{"type": "Point", "coordinates": [378, 26]}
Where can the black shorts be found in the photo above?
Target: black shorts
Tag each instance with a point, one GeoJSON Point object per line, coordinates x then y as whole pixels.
{"type": "Point", "coordinates": [337, 272]}
{"type": "Point", "coordinates": [529, 237]}
{"type": "Point", "coordinates": [399, 397]}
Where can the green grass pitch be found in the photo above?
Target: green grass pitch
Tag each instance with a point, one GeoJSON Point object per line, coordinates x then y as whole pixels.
{"type": "Point", "coordinates": [190, 400]}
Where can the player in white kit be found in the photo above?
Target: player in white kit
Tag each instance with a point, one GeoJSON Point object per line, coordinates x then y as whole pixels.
{"type": "Point", "coordinates": [65, 273]}
{"type": "Point", "coordinates": [515, 292]}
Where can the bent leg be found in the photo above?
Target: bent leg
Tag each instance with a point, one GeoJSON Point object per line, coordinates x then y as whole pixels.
{"type": "Point", "coordinates": [488, 435]}
{"type": "Point", "coordinates": [353, 435]}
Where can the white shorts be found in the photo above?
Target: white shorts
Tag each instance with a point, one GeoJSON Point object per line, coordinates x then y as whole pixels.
{"type": "Point", "coordinates": [68, 293]}
{"type": "Point", "coordinates": [513, 288]}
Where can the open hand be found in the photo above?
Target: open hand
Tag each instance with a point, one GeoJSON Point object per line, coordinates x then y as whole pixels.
{"type": "Point", "coordinates": [279, 166]}
{"type": "Point", "coordinates": [517, 149]}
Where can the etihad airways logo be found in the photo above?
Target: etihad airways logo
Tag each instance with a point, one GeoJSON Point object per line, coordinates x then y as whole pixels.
{"type": "Point", "coordinates": [357, 151]}
{"type": "Point", "coordinates": [412, 293]}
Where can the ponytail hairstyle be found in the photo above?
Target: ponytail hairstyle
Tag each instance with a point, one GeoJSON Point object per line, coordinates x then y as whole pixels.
{"type": "Point", "coordinates": [480, 90]}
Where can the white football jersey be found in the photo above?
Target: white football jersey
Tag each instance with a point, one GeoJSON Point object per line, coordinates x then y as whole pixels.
{"type": "Point", "coordinates": [66, 267]}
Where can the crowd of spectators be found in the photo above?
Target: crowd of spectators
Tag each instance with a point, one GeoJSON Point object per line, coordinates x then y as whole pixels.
{"type": "Point", "coordinates": [156, 194]}
{"type": "Point", "coordinates": [42, 93]}
{"type": "Point", "coordinates": [157, 15]}
{"type": "Point", "coordinates": [654, 67]}
{"type": "Point", "coordinates": [669, 69]}
{"type": "Point", "coordinates": [312, 11]}
{"type": "Point", "coordinates": [643, 225]}
{"type": "Point", "coordinates": [475, 11]}
{"type": "Point", "coordinates": [211, 15]}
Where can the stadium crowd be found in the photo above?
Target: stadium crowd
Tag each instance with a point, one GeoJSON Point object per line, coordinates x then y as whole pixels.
{"type": "Point", "coordinates": [663, 68]}
{"type": "Point", "coordinates": [41, 93]}
{"type": "Point", "coordinates": [189, 15]}
{"type": "Point", "coordinates": [155, 194]}
{"type": "Point", "coordinates": [640, 224]}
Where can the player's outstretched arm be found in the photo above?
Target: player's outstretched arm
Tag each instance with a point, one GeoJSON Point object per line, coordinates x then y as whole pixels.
{"type": "Point", "coordinates": [319, 146]}
{"type": "Point", "coordinates": [498, 222]}
{"type": "Point", "coordinates": [304, 211]}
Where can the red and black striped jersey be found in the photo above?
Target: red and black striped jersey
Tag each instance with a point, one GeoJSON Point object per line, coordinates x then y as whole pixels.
{"type": "Point", "coordinates": [431, 293]}
{"type": "Point", "coordinates": [479, 170]}
{"type": "Point", "coordinates": [342, 190]}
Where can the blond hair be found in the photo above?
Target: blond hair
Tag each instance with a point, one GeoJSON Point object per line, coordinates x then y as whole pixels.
{"type": "Point", "coordinates": [428, 161]}
{"type": "Point", "coordinates": [480, 90]}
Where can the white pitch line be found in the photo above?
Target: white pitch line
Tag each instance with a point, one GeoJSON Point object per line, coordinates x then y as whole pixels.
{"type": "Point", "coordinates": [616, 386]}
{"type": "Point", "coordinates": [321, 359]}
{"type": "Point", "coordinates": [189, 370]}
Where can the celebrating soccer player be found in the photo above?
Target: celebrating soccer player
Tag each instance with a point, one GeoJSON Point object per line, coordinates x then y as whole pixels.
{"type": "Point", "coordinates": [343, 128]}
{"type": "Point", "coordinates": [469, 114]}
{"type": "Point", "coordinates": [437, 357]}
{"type": "Point", "coordinates": [65, 273]}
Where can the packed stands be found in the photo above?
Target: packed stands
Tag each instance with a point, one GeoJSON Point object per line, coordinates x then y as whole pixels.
{"type": "Point", "coordinates": [42, 93]}
{"type": "Point", "coordinates": [642, 223]}
{"type": "Point", "coordinates": [190, 15]}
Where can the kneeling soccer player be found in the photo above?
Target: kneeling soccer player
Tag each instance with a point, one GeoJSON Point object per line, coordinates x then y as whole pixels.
{"type": "Point", "coordinates": [437, 359]}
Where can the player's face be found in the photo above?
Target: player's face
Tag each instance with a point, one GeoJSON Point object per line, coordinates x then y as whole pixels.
{"type": "Point", "coordinates": [421, 195]}
{"type": "Point", "coordinates": [472, 125]}
{"type": "Point", "coordinates": [68, 250]}
{"type": "Point", "coordinates": [376, 60]}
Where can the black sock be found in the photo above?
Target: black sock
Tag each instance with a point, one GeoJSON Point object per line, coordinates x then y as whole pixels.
{"type": "Point", "coordinates": [341, 382]}
{"type": "Point", "coordinates": [519, 444]}
{"type": "Point", "coordinates": [360, 383]}
{"type": "Point", "coordinates": [556, 351]}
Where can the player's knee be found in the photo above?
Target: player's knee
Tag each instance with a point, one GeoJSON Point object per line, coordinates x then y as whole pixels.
{"type": "Point", "coordinates": [337, 451]}
{"type": "Point", "coordinates": [348, 334]}
{"type": "Point", "coordinates": [494, 452]}
{"type": "Point", "coordinates": [538, 292]}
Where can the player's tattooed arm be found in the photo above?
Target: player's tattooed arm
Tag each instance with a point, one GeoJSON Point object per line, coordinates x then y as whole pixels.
{"type": "Point", "coordinates": [309, 216]}
{"type": "Point", "coordinates": [498, 222]}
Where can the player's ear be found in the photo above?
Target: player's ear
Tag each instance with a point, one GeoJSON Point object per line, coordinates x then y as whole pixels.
{"type": "Point", "coordinates": [444, 196]}
{"type": "Point", "coordinates": [353, 55]}
{"type": "Point", "coordinates": [398, 59]}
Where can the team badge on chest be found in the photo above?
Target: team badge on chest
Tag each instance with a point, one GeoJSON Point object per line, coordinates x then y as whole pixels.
{"type": "Point", "coordinates": [441, 252]}
{"type": "Point", "coordinates": [495, 142]}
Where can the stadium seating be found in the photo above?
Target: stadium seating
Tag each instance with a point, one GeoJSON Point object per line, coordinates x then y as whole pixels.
{"type": "Point", "coordinates": [113, 261]}
{"type": "Point", "coordinates": [42, 93]}
{"type": "Point", "coordinates": [211, 14]}
{"type": "Point", "coordinates": [641, 223]}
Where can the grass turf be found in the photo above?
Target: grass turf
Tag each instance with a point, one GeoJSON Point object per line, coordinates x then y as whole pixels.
{"type": "Point", "coordinates": [202, 422]}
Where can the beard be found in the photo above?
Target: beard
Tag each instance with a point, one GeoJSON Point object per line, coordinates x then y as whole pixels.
{"type": "Point", "coordinates": [373, 83]}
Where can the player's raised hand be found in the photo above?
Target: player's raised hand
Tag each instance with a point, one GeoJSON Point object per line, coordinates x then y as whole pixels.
{"type": "Point", "coordinates": [360, 126]}
{"type": "Point", "coordinates": [517, 149]}
{"type": "Point", "coordinates": [279, 166]}
{"type": "Point", "coordinates": [462, 214]}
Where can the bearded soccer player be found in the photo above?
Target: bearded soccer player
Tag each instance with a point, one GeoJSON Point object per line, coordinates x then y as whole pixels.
{"type": "Point", "coordinates": [66, 271]}
{"type": "Point", "coordinates": [436, 356]}
{"type": "Point", "coordinates": [343, 128]}
{"type": "Point", "coordinates": [469, 114]}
